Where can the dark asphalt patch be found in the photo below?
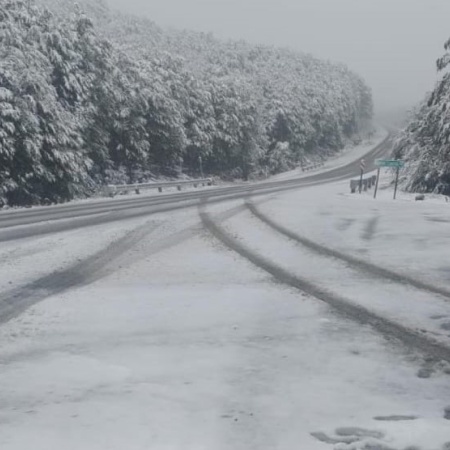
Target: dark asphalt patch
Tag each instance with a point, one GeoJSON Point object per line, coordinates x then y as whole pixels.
{"type": "Point", "coordinates": [395, 418]}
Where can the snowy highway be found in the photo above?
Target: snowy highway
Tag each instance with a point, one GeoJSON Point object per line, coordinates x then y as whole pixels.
{"type": "Point", "coordinates": [283, 315]}
{"type": "Point", "coordinates": [208, 238]}
{"type": "Point", "coordinates": [47, 220]}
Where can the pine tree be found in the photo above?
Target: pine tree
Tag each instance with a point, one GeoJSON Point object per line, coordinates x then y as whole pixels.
{"type": "Point", "coordinates": [424, 143]}
{"type": "Point", "coordinates": [89, 97]}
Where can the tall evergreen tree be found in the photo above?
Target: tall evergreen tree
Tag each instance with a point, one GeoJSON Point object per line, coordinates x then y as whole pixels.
{"type": "Point", "coordinates": [424, 143]}
{"type": "Point", "coordinates": [88, 96]}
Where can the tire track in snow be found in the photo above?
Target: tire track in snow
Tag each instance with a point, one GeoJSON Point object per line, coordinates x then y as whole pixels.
{"type": "Point", "coordinates": [387, 328]}
{"type": "Point", "coordinates": [16, 301]}
{"type": "Point", "coordinates": [370, 229]}
{"type": "Point", "coordinates": [356, 263]}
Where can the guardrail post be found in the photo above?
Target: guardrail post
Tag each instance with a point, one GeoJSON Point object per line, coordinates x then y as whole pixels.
{"type": "Point", "coordinates": [160, 189]}
{"type": "Point", "coordinates": [179, 187]}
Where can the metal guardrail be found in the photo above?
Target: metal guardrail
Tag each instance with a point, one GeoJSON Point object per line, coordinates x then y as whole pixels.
{"type": "Point", "coordinates": [312, 166]}
{"type": "Point", "coordinates": [114, 189]}
{"type": "Point", "coordinates": [367, 183]}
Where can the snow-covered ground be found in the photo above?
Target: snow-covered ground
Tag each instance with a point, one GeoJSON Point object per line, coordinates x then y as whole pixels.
{"type": "Point", "coordinates": [36, 257]}
{"type": "Point", "coordinates": [405, 235]}
{"type": "Point", "coordinates": [180, 343]}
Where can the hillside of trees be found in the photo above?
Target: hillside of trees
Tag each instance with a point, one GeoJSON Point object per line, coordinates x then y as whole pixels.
{"type": "Point", "coordinates": [89, 96]}
{"type": "Point", "coordinates": [425, 142]}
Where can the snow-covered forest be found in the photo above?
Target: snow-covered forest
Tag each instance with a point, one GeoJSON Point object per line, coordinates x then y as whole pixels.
{"type": "Point", "coordinates": [89, 96]}
{"type": "Point", "coordinates": [425, 142]}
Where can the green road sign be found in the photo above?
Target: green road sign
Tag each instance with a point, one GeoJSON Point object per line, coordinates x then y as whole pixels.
{"type": "Point", "coordinates": [390, 163]}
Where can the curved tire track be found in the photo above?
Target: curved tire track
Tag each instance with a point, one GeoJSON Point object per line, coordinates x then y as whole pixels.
{"type": "Point", "coordinates": [389, 329]}
{"type": "Point", "coordinates": [16, 301]}
{"type": "Point", "coordinates": [359, 264]}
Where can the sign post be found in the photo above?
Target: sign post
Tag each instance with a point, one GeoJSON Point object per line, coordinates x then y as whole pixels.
{"type": "Point", "coordinates": [393, 163]}
{"type": "Point", "coordinates": [376, 183]}
{"type": "Point", "coordinates": [396, 182]}
{"type": "Point", "coordinates": [362, 166]}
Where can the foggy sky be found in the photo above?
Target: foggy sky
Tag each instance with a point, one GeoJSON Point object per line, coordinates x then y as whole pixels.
{"type": "Point", "coordinates": [393, 44]}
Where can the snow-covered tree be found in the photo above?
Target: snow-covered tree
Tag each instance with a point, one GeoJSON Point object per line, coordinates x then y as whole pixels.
{"type": "Point", "coordinates": [88, 95]}
{"type": "Point", "coordinates": [425, 142]}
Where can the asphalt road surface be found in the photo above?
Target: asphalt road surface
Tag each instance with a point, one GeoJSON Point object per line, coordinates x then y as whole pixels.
{"type": "Point", "coordinates": [17, 224]}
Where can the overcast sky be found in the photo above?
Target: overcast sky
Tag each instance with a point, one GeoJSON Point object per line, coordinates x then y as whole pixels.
{"type": "Point", "coordinates": [393, 44]}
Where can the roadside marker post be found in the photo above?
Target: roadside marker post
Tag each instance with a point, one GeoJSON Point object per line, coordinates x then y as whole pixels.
{"type": "Point", "coordinates": [363, 167]}
{"type": "Point", "coordinates": [394, 163]}
{"type": "Point", "coordinates": [376, 183]}
{"type": "Point", "coordinates": [396, 182]}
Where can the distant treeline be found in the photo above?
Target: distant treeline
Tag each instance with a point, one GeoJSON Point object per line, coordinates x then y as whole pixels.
{"type": "Point", "coordinates": [89, 96]}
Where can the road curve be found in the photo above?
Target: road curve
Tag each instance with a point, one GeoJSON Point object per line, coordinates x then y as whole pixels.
{"type": "Point", "coordinates": [32, 222]}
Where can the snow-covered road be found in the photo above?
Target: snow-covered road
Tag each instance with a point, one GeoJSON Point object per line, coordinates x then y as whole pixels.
{"type": "Point", "coordinates": [170, 340]}
{"type": "Point", "coordinates": [24, 223]}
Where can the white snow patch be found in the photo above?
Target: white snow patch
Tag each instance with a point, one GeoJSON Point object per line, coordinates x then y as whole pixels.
{"type": "Point", "coordinates": [188, 346]}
